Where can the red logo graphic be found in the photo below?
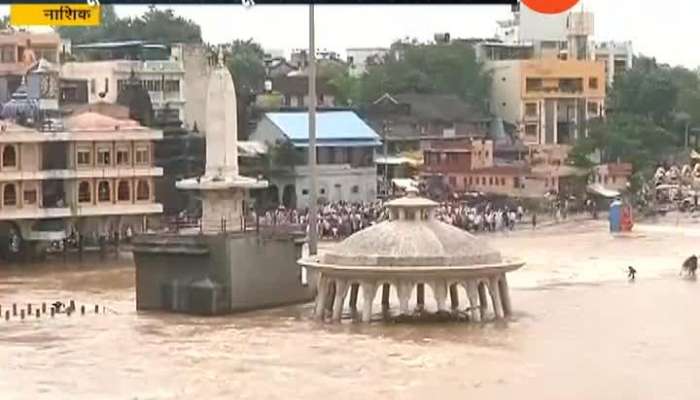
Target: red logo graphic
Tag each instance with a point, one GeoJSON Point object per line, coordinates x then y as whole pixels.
{"type": "Point", "coordinates": [550, 6]}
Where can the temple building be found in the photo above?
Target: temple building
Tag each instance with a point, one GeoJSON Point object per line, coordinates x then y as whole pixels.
{"type": "Point", "coordinates": [90, 174]}
{"type": "Point", "coordinates": [404, 255]}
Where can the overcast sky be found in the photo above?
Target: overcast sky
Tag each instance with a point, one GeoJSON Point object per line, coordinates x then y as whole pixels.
{"type": "Point", "coordinates": [667, 30]}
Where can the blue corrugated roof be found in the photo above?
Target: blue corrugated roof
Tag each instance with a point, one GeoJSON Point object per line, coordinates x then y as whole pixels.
{"type": "Point", "coordinates": [330, 125]}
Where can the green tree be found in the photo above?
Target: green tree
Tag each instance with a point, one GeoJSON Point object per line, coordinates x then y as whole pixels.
{"type": "Point", "coordinates": [285, 155]}
{"type": "Point", "coordinates": [246, 63]}
{"type": "Point", "coordinates": [156, 25]}
{"type": "Point", "coordinates": [427, 68]}
{"type": "Point", "coordinates": [624, 137]}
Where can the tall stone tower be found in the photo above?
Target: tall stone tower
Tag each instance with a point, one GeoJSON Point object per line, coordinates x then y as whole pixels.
{"type": "Point", "coordinates": [221, 189]}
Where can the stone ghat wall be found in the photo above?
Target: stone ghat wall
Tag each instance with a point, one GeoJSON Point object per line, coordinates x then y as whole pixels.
{"type": "Point", "coordinates": [248, 272]}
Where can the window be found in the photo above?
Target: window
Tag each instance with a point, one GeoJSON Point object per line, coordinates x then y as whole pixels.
{"type": "Point", "coordinates": [531, 109]}
{"type": "Point", "coordinates": [486, 155]}
{"type": "Point", "coordinates": [29, 197]}
{"type": "Point", "coordinates": [531, 130]}
{"type": "Point", "coordinates": [305, 192]}
{"type": "Point", "coordinates": [142, 155]}
{"type": "Point", "coordinates": [124, 191]}
{"type": "Point", "coordinates": [490, 181]}
{"type": "Point", "coordinates": [172, 85]}
{"type": "Point", "coordinates": [593, 83]}
{"type": "Point", "coordinates": [614, 179]}
{"type": "Point", "coordinates": [104, 192]}
{"type": "Point", "coordinates": [323, 191]}
{"type": "Point", "coordinates": [533, 84]}
{"type": "Point", "coordinates": [9, 195]}
{"type": "Point", "coordinates": [103, 156]}
{"type": "Point", "coordinates": [92, 86]}
{"type": "Point", "coordinates": [483, 181]}
{"type": "Point", "coordinates": [503, 181]}
{"type": "Point", "coordinates": [123, 156]}
{"type": "Point", "coordinates": [471, 182]}
{"type": "Point", "coordinates": [355, 189]}
{"type": "Point", "coordinates": [9, 157]}
{"type": "Point", "coordinates": [121, 83]}
{"type": "Point", "coordinates": [84, 157]}
{"type": "Point", "coordinates": [593, 109]}
{"type": "Point", "coordinates": [453, 181]}
{"type": "Point", "coordinates": [84, 192]}
{"type": "Point", "coordinates": [7, 54]}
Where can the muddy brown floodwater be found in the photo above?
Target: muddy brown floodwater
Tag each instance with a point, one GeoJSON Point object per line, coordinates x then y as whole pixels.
{"type": "Point", "coordinates": [581, 331]}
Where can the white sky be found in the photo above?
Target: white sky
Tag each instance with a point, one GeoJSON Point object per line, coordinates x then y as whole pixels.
{"type": "Point", "coordinates": [666, 30]}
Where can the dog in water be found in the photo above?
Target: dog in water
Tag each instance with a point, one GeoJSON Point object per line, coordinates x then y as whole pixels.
{"type": "Point", "coordinates": [690, 266]}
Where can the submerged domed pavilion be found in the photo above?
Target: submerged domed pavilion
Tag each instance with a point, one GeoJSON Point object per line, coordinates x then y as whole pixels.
{"type": "Point", "coordinates": [411, 250]}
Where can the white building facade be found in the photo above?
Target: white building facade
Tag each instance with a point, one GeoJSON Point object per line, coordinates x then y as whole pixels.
{"type": "Point", "coordinates": [345, 157]}
{"type": "Point", "coordinates": [163, 79]}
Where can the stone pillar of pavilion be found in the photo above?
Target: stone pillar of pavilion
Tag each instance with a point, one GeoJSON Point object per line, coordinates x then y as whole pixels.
{"type": "Point", "coordinates": [221, 188]}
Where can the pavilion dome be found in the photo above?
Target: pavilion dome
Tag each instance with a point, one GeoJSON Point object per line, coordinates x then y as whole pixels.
{"type": "Point", "coordinates": [412, 238]}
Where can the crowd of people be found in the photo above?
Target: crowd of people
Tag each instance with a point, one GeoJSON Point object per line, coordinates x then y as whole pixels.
{"type": "Point", "coordinates": [341, 219]}
{"type": "Point", "coordinates": [485, 218]}
{"type": "Point", "coordinates": [334, 221]}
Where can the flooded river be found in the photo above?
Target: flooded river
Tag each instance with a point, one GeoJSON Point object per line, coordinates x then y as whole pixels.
{"type": "Point", "coordinates": [581, 331]}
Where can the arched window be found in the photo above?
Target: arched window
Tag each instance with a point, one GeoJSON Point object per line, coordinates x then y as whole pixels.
{"type": "Point", "coordinates": [84, 192]}
{"type": "Point", "coordinates": [143, 191]}
{"type": "Point", "coordinates": [9, 195]}
{"type": "Point", "coordinates": [124, 191]}
{"type": "Point", "coordinates": [104, 192]}
{"type": "Point", "coordinates": [9, 157]}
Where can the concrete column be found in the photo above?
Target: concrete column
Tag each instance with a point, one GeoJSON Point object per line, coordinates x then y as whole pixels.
{"type": "Point", "coordinates": [454, 297]}
{"type": "Point", "coordinates": [386, 292]}
{"type": "Point", "coordinates": [496, 298]}
{"type": "Point", "coordinates": [483, 301]}
{"type": "Point", "coordinates": [505, 296]}
{"type": "Point", "coordinates": [369, 290]}
{"type": "Point", "coordinates": [354, 291]}
{"type": "Point", "coordinates": [473, 294]}
{"type": "Point", "coordinates": [405, 290]}
{"type": "Point", "coordinates": [556, 122]}
{"type": "Point", "coordinates": [321, 296]}
{"type": "Point", "coordinates": [420, 296]}
{"type": "Point", "coordinates": [440, 292]}
{"type": "Point", "coordinates": [341, 289]}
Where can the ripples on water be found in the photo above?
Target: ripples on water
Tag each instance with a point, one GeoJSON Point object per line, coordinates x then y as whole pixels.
{"type": "Point", "coordinates": [609, 340]}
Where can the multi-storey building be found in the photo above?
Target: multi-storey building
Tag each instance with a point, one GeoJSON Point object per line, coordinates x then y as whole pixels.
{"type": "Point", "coordinates": [549, 100]}
{"type": "Point", "coordinates": [617, 56]}
{"type": "Point", "coordinates": [163, 77]}
{"type": "Point", "coordinates": [94, 175]}
{"type": "Point", "coordinates": [345, 155]}
{"type": "Point", "coordinates": [468, 165]}
{"type": "Point", "coordinates": [19, 51]}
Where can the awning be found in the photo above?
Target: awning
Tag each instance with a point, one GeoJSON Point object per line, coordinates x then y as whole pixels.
{"type": "Point", "coordinates": [602, 191]}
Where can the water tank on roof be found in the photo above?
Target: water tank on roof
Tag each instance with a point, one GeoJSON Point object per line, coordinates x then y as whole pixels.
{"type": "Point", "coordinates": [442, 38]}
